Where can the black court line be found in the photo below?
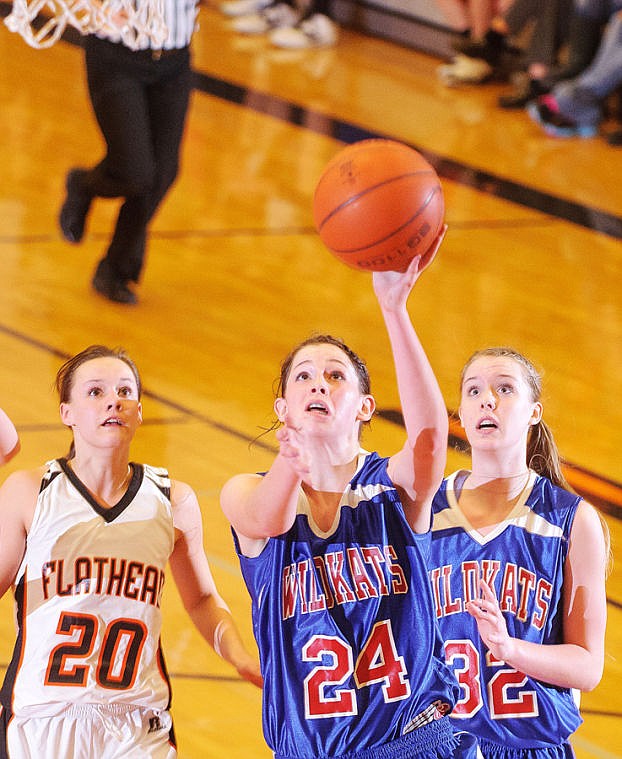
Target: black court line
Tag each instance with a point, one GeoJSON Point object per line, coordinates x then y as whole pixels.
{"type": "Point", "coordinates": [347, 132]}
{"type": "Point", "coordinates": [447, 168]}
{"type": "Point", "coordinates": [391, 415]}
{"type": "Point", "coordinates": [611, 506]}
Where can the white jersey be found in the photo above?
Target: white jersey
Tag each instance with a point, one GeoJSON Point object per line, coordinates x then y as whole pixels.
{"type": "Point", "coordinates": [88, 596]}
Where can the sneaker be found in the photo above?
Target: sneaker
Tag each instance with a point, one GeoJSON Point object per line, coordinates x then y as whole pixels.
{"type": "Point", "coordinates": [105, 283]}
{"type": "Point", "coordinates": [464, 70]}
{"type": "Point", "coordinates": [243, 7]}
{"type": "Point", "coordinates": [491, 49]}
{"type": "Point", "coordinates": [545, 112]}
{"type": "Point", "coordinates": [316, 31]}
{"type": "Point", "coordinates": [524, 92]}
{"type": "Point", "coordinates": [273, 16]}
{"type": "Point", "coordinates": [76, 206]}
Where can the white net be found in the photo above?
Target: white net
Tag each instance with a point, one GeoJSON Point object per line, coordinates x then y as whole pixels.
{"type": "Point", "coordinates": [42, 22]}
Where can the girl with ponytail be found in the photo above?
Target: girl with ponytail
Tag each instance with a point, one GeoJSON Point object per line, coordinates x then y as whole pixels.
{"type": "Point", "coordinates": [518, 569]}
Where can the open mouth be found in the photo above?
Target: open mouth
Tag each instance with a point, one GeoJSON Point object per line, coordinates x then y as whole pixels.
{"type": "Point", "coordinates": [487, 424]}
{"type": "Point", "coordinates": [113, 421]}
{"type": "Point", "coordinates": [319, 407]}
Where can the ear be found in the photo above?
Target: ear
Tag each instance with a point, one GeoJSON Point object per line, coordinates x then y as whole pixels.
{"type": "Point", "coordinates": [140, 413]}
{"type": "Point", "coordinates": [368, 406]}
{"type": "Point", "coordinates": [536, 414]}
{"type": "Point", "coordinates": [65, 414]}
{"type": "Point", "coordinates": [280, 408]}
{"type": "Point", "coordinates": [460, 417]}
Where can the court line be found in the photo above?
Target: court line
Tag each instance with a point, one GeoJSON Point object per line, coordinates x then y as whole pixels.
{"type": "Point", "coordinates": [347, 132]}
{"type": "Point", "coordinates": [447, 168]}
{"type": "Point", "coordinates": [601, 492]}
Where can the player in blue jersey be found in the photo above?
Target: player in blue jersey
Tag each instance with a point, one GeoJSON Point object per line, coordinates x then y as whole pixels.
{"type": "Point", "coordinates": [518, 570]}
{"type": "Point", "coordinates": [86, 542]}
{"type": "Point", "coordinates": [334, 542]}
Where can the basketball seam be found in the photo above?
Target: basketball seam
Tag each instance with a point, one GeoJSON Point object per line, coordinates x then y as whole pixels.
{"type": "Point", "coordinates": [408, 221]}
{"type": "Point", "coordinates": [367, 190]}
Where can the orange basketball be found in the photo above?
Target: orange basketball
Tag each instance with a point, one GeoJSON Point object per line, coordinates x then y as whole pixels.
{"type": "Point", "coordinates": [378, 204]}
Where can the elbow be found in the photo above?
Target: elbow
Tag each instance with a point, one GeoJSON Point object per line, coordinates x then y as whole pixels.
{"type": "Point", "coordinates": [589, 677]}
{"type": "Point", "coordinates": [8, 455]}
{"type": "Point", "coordinates": [591, 681]}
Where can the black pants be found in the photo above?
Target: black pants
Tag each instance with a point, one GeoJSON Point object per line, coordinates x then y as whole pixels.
{"type": "Point", "coordinates": [140, 102]}
{"type": "Point", "coordinates": [550, 30]}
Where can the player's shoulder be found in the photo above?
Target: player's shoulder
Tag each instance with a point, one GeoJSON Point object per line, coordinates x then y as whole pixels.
{"type": "Point", "coordinates": [24, 479]}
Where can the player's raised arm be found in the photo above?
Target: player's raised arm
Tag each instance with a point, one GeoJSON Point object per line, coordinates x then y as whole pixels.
{"type": "Point", "coordinates": [419, 467]}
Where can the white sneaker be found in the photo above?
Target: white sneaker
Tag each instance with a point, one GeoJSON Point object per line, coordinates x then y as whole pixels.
{"type": "Point", "coordinates": [243, 7]}
{"type": "Point", "coordinates": [274, 16]}
{"type": "Point", "coordinates": [464, 70]}
{"type": "Point", "coordinates": [316, 31]}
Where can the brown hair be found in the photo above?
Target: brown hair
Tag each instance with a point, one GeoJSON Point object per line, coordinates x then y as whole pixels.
{"type": "Point", "coordinates": [320, 339]}
{"type": "Point", "coordinates": [360, 367]}
{"type": "Point", "coordinates": [66, 373]}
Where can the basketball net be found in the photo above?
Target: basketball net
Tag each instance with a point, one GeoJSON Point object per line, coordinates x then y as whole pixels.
{"type": "Point", "coordinates": [42, 22]}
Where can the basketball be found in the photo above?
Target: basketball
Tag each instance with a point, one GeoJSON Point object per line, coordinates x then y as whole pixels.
{"type": "Point", "coordinates": [377, 204]}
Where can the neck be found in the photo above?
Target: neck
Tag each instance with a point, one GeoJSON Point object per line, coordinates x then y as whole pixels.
{"type": "Point", "coordinates": [508, 486]}
{"type": "Point", "coordinates": [107, 483]}
{"type": "Point", "coordinates": [331, 479]}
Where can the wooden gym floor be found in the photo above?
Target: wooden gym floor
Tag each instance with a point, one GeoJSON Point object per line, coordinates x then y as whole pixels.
{"type": "Point", "coordinates": [236, 275]}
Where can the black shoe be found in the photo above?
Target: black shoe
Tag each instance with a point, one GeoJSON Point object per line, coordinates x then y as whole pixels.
{"type": "Point", "coordinates": [615, 138]}
{"type": "Point", "coordinates": [112, 288]}
{"type": "Point", "coordinates": [490, 49]}
{"type": "Point", "coordinates": [76, 206]}
{"type": "Point", "coordinates": [524, 93]}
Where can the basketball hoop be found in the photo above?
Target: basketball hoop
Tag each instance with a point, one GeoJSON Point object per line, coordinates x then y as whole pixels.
{"type": "Point", "coordinates": [41, 23]}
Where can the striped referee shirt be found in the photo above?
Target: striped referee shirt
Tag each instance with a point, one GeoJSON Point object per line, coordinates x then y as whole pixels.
{"type": "Point", "coordinates": [179, 19]}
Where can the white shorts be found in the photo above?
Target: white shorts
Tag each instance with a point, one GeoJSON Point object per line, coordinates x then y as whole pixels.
{"type": "Point", "coordinates": [93, 731]}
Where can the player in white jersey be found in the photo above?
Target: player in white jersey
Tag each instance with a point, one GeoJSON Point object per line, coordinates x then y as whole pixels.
{"type": "Point", "coordinates": [85, 544]}
{"type": "Point", "coordinates": [518, 570]}
{"type": "Point", "coordinates": [333, 544]}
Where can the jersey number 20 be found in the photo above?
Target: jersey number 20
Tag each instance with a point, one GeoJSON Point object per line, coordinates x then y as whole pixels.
{"type": "Point", "coordinates": [120, 650]}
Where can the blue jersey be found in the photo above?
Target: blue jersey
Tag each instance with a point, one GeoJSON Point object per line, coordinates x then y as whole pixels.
{"type": "Point", "coordinates": [344, 620]}
{"type": "Point", "coordinates": [523, 559]}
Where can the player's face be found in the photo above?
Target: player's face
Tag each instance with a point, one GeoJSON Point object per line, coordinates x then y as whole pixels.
{"type": "Point", "coordinates": [496, 408]}
{"type": "Point", "coordinates": [323, 388]}
{"type": "Point", "coordinates": [103, 408]}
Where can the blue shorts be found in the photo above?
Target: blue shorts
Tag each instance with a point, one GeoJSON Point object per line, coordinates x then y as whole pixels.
{"type": "Point", "coordinates": [492, 750]}
{"type": "Point", "coordinates": [436, 740]}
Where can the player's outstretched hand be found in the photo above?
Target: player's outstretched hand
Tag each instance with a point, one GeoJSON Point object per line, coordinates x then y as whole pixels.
{"type": "Point", "coordinates": [392, 288]}
{"type": "Point", "coordinates": [490, 622]}
{"type": "Point", "coordinates": [292, 448]}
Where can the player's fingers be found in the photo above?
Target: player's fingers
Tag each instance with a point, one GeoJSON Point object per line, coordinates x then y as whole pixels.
{"type": "Point", "coordinates": [431, 252]}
